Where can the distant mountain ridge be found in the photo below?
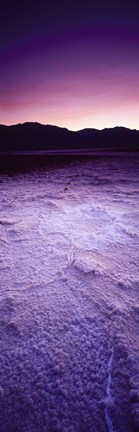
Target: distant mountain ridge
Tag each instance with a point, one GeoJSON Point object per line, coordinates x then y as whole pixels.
{"type": "Point", "coordinates": [37, 137]}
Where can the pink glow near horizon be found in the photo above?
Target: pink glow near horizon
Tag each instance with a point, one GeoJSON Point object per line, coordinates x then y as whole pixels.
{"type": "Point", "coordinates": [76, 102]}
{"type": "Point", "coordinates": [76, 84]}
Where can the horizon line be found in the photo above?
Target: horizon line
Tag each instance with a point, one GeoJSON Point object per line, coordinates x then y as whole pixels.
{"type": "Point", "coordinates": [63, 127]}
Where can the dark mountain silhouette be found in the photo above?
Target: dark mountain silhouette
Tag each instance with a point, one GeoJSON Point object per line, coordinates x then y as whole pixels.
{"type": "Point", "coordinates": [36, 137]}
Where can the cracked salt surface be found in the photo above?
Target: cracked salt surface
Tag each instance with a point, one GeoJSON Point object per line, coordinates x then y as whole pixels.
{"type": "Point", "coordinates": [69, 308]}
{"type": "Point", "coordinates": [109, 400]}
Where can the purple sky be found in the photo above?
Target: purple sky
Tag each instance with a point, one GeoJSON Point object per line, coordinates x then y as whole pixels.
{"type": "Point", "coordinates": [70, 64]}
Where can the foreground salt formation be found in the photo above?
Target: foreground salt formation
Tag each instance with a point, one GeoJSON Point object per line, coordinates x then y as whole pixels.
{"type": "Point", "coordinates": [69, 311]}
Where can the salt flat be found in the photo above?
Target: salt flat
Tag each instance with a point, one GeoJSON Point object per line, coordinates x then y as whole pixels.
{"type": "Point", "coordinates": [69, 297]}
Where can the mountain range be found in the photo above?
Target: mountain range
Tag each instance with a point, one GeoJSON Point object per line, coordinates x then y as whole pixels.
{"type": "Point", "coordinates": [30, 137]}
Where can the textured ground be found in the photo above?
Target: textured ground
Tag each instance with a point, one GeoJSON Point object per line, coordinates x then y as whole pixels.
{"type": "Point", "coordinates": [69, 297]}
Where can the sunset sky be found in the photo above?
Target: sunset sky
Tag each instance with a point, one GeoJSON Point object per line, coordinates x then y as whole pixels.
{"type": "Point", "coordinates": [72, 64]}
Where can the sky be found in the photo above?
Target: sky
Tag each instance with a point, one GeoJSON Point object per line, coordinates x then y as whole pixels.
{"type": "Point", "coordinates": [71, 64]}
